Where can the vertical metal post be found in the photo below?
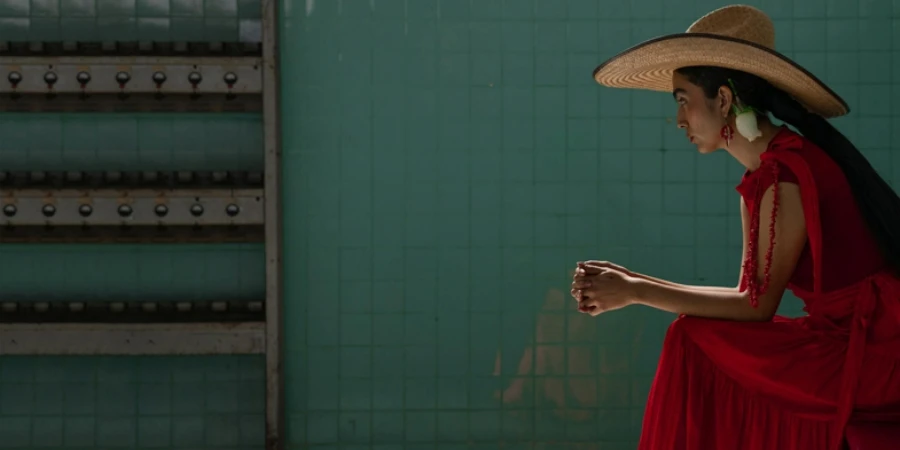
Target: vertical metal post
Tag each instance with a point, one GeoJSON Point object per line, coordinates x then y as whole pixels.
{"type": "Point", "coordinates": [275, 422]}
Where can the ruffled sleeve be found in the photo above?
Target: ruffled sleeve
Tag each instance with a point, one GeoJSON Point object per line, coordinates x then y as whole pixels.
{"type": "Point", "coordinates": [753, 187]}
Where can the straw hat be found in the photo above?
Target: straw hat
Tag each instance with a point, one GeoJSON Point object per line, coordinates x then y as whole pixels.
{"type": "Point", "coordinates": [736, 37]}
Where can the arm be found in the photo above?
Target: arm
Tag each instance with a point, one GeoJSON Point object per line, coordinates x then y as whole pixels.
{"type": "Point", "coordinates": [660, 281]}
{"type": "Point", "coordinates": [790, 238]}
{"type": "Point", "coordinates": [745, 222]}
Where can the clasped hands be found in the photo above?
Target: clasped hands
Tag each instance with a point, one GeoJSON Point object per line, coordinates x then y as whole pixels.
{"type": "Point", "coordinates": [600, 286]}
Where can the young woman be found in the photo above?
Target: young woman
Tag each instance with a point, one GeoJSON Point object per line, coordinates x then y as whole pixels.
{"type": "Point", "coordinates": [817, 219]}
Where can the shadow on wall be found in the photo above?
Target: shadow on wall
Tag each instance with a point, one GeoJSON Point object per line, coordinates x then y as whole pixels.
{"type": "Point", "coordinates": [566, 364]}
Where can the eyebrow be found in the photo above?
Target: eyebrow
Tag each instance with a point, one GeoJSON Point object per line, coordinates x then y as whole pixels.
{"type": "Point", "coordinates": [678, 91]}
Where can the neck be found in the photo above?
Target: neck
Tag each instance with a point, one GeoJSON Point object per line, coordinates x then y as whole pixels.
{"type": "Point", "coordinates": [748, 153]}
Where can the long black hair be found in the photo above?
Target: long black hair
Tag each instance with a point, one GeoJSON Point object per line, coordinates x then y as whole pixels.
{"type": "Point", "coordinates": [877, 201]}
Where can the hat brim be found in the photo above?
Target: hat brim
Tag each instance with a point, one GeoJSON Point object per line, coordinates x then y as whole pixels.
{"type": "Point", "coordinates": [650, 66]}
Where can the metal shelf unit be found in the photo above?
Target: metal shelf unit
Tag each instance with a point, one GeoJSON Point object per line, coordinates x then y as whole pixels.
{"type": "Point", "coordinates": [150, 206]}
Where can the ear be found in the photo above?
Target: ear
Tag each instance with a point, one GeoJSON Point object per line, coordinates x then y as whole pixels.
{"type": "Point", "coordinates": [724, 100]}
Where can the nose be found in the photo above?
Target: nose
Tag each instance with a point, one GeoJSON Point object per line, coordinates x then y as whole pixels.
{"type": "Point", "coordinates": [680, 120]}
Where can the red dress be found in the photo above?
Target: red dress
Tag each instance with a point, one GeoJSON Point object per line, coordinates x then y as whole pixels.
{"type": "Point", "coordinates": [792, 383]}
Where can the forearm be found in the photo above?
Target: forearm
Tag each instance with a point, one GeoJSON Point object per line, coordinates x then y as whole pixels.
{"type": "Point", "coordinates": [721, 303]}
{"type": "Point", "coordinates": [718, 289]}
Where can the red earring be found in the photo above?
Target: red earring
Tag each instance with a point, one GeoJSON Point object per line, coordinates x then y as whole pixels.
{"type": "Point", "coordinates": [727, 133]}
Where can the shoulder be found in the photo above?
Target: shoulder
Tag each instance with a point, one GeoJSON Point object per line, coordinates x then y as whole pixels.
{"type": "Point", "coordinates": [780, 162]}
{"type": "Point", "coordinates": [769, 172]}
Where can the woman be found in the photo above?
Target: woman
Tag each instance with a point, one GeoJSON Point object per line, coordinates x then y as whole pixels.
{"type": "Point", "coordinates": [817, 219]}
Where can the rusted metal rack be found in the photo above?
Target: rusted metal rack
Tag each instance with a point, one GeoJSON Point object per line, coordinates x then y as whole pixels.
{"type": "Point", "coordinates": [150, 206]}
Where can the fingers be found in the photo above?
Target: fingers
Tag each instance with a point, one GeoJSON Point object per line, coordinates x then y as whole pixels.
{"type": "Point", "coordinates": [576, 294]}
{"type": "Point", "coordinates": [588, 307]}
{"type": "Point", "coordinates": [581, 283]}
{"type": "Point", "coordinates": [598, 266]}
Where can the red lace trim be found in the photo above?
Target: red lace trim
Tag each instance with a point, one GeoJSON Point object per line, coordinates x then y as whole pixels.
{"type": "Point", "coordinates": [751, 263]}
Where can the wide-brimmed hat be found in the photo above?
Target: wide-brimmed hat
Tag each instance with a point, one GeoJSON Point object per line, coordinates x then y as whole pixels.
{"type": "Point", "coordinates": [737, 37]}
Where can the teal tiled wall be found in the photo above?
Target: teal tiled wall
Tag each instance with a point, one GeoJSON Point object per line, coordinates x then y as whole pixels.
{"type": "Point", "coordinates": [79, 403]}
{"type": "Point", "coordinates": [130, 20]}
{"type": "Point", "coordinates": [87, 403]}
{"type": "Point", "coordinates": [130, 142]}
{"type": "Point", "coordinates": [84, 403]}
{"type": "Point", "coordinates": [447, 162]}
{"type": "Point", "coordinates": [132, 273]}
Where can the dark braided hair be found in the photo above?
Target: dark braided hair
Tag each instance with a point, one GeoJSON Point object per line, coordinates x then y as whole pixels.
{"type": "Point", "coordinates": [877, 201]}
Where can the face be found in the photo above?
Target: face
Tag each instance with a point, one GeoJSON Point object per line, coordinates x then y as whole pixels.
{"type": "Point", "coordinates": [702, 118]}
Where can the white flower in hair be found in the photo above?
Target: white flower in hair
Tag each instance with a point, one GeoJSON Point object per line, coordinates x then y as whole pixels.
{"type": "Point", "coordinates": [744, 117]}
{"type": "Point", "coordinates": [745, 121]}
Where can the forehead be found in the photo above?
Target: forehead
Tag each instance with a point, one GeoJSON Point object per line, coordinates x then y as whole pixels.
{"type": "Point", "coordinates": [681, 83]}
{"type": "Point", "coordinates": [682, 87]}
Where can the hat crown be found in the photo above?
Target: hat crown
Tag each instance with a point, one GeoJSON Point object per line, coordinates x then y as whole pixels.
{"type": "Point", "coordinates": [739, 22]}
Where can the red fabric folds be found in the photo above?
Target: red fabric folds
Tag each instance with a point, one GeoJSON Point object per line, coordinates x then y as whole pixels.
{"type": "Point", "coordinates": [792, 383]}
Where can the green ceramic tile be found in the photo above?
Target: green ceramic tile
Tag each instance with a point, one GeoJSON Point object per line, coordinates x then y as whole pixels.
{"type": "Point", "coordinates": [190, 8]}
{"type": "Point", "coordinates": [809, 35]}
{"type": "Point", "coordinates": [116, 8]}
{"type": "Point", "coordinates": [228, 272]}
{"type": "Point", "coordinates": [224, 8]}
{"type": "Point", "coordinates": [614, 134]}
{"type": "Point", "coordinates": [874, 32]}
{"type": "Point", "coordinates": [109, 409]}
{"type": "Point", "coordinates": [44, 30]}
{"type": "Point", "coordinates": [549, 10]}
{"type": "Point", "coordinates": [78, 8]}
{"type": "Point", "coordinates": [15, 8]}
{"type": "Point", "coordinates": [153, 8]}
{"type": "Point", "coordinates": [843, 35]}
{"type": "Point", "coordinates": [14, 28]}
{"type": "Point", "coordinates": [43, 8]}
{"type": "Point", "coordinates": [840, 9]}
{"type": "Point", "coordinates": [584, 9]}
{"type": "Point", "coordinates": [187, 29]}
{"type": "Point", "coordinates": [582, 134]}
{"type": "Point", "coordinates": [116, 28]}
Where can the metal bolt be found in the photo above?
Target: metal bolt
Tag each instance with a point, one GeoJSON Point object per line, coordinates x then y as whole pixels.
{"type": "Point", "coordinates": [123, 77]}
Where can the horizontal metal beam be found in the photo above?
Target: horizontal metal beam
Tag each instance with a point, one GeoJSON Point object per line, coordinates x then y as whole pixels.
{"type": "Point", "coordinates": [114, 103]}
{"type": "Point", "coordinates": [20, 308]}
{"type": "Point", "coordinates": [143, 207]}
{"type": "Point", "coordinates": [133, 339]}
{"type": "Point", "coordinates": [215, 234]}
{"type": "Point", "coordinates": [181, 75]}
{"type": "Point", "coordinates": [129, 48]}
{"type": "Point", "coordinates": [41, 179]}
